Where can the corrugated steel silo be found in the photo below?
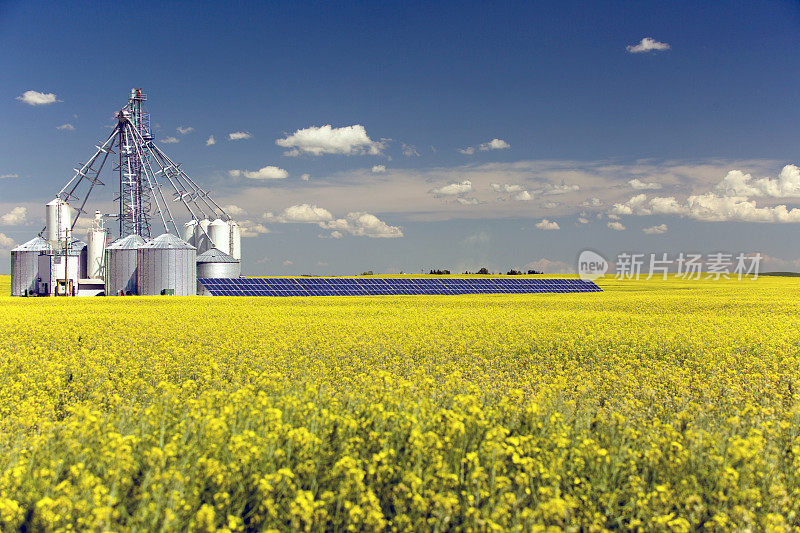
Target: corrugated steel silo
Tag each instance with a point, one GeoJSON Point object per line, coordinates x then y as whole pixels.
{"type": "Point", "coordinates": [25, 266]}
{"type": "Point", "coordinates": [215, 263]}
{"type": "Point", "coordinates": [121, 265]}
{"type": "Point", "coordinates": [79, 248]}
{"type": "Point", "coordinates": [167, 263]}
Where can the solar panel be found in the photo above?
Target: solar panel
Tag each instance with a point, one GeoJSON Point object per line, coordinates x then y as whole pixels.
{"type": "Point", "coordinates": [390, 286]}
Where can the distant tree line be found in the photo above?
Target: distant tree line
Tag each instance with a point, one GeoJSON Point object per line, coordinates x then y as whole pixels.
{"type": "Point", "coordinates": [485, 271]}
{"type": "Point", "coordinates": [482, 271]}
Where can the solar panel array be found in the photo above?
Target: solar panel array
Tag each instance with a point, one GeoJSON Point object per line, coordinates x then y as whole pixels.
{"type": "Point", "coordinates": [379, 286]}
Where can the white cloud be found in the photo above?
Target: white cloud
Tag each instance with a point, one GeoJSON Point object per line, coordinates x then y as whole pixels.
{"type": "Point", "coordinates": [410, 151]}
{"type": "Point", "coordinates": [408, 193]}
{"type": "Point", "coordinates": [266, 173]}
{"type": "Point", "coordinates": [494, 144]}
{"type": "Point", "coordinates": [737, 183]}
{"type": "Point", "coordinates": [713, 208]}
{"type": "Point", "coordinates": [656, 230]}
{"type": "Point", "coordinates": [637, 184]}
{"type": "Point", "coordinates": [336, 234]}
{"type": "Point", "coordinates": [4, 176]}
{"type": "Point", "coordinates": [616, 226]}
{"type": "Point", "coordinates": [66, 127]}
{"type": "Point", "coordinates": [592, 202]}
{"type": "Point", "coordinates": [37, 98]}
{"type": "Point", "coordinates": [234, 210]}
{"type": "Point", "coordinates": [252, 229]}
{"type": "Point", "coordinates": [183, 130]}
{"type": "Point", "coordinates": [522, 196]}
{"type": "Point", "coordinates": [547, 266]}
{"type": "Point", "coordinates": [6, 242]}
{"type": "Point", "coordinates": [15, 216]}
{"type": "Point", "coordinates": [287, 263]}
{"type": "Point", "coordinates": [211, 140]}
{"type": "Point", "coordinates": [453, 189]}
{"type": "Point", "coordinates": [708, 208]}
{"type": "Point", "coordinates": [551, 190]}
{"type": "Point", "coordinates": [515, 192]}
{"type": "Point", "coordinates": [348, 140]}
{"type": "Point", "coordinates": [378, 169]}
{"type": "Point", "coordinates": [583, 220]}
{"type": "Point", "coordinates": [467, 201]}
{"type": "Point", "coordinates": [305, 213]}
{"type": "Point", "coordinates": [635, 203]}
{"type": "Point", "coordinates": [551, 205]}
{"type": "Point", "coordinates": [505, 188]}
{"type": "Point", "coordinates": [239, 135]}
{"type": "Point", "coordinates": [648, 44]}
{"type": "Point", "coordinates": [305, 177]}
{"type": "Point", "coordinates": [363, 225]}
{"type": "Point", "coordinates": [775, 263]}
{"type": "Point", "coordinates": [170, 140]}
{"type": "Point", "coordinates": [547, 224]}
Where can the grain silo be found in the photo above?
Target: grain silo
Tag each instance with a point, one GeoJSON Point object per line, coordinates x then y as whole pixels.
{"type": "Point", "coordinates": [69, 266]}
{"type": "Point", "coordinates": [220, 233]}
{"type": "Point", "coordinates": [58, 216]}
{"type": "Point", "coordinates": [79, 248]}
{"type": "Point", "coordinates": [201, 237]}
{"type": "Point", "coordinates": [25, 267]}
{"type": "Point", "coordinates": [236, 240]}
{"type": "Point", "coordinates": [166, 265]}
{"type": "Point", "coordinates": [120, 265]}
{"type": "Point", "coordinates": [96, 238]}
{"type": "Point", "coordinates": [215, 263]}
{"type": "Point", "coordinates": [189, 232]}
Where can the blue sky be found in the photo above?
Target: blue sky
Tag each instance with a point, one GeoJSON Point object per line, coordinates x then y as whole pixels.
{"type": "Point", "coordinates": [583, 125]}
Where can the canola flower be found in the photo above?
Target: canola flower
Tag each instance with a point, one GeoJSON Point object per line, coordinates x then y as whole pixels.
{"type": "Point", "coordinates": [652, 406]}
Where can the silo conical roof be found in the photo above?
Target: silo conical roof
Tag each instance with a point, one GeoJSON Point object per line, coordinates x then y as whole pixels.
{"type": "Point", "coordinates": [214, 255]}
{"type": "Point", "coordinates": [168, 240]}
{"type": "Point", "coordinates": [37, 244]}
{"type": "Point", "coordinates": [131, 242]}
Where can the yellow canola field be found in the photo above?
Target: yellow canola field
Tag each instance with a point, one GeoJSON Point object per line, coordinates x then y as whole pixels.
{"type": "Point", "coordinates": [654, 406]}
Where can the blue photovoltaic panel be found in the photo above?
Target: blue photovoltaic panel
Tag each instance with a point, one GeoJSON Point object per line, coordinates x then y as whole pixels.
{"type": "Point", "coordinates": [390, 286]}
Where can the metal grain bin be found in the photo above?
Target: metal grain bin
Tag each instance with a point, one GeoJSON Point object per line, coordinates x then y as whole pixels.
{"type": "Point", "coordinates": [79, 247]}
{"type": "Point", "coordinates": [167, 262]}
{"type": "Point", "coordinates": [201, 236]}
{"type": "Point", "coordinates": [215, 263]}
{"type": "Point", "coordinates": [120, 265]}
{"type": "Point", "coordinates": [25, 266]}
{"type": "Point", "coordinates": [220, 233]}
